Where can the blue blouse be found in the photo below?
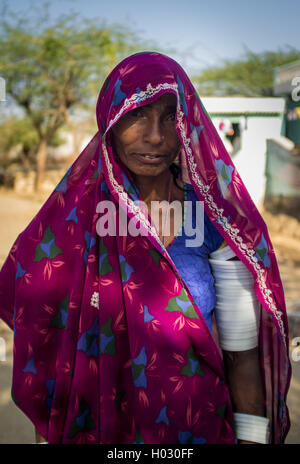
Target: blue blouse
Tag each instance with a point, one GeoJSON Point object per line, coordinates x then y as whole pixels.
{"type": "Point", "coordinates": [192, 262]}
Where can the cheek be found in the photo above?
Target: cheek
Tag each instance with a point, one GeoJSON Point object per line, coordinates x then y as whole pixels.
{"type": "Point", "coordinates": [126, 139]}
{"type": "Point", "coordinates": [173, 139]}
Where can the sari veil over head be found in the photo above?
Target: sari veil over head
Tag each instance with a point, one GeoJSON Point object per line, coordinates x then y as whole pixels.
{"type": "Point", "coordinates": [109, 344]}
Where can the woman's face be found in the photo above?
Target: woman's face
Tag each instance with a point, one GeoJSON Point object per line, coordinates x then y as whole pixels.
{"type": "Point", "coordinates": [145, 138]}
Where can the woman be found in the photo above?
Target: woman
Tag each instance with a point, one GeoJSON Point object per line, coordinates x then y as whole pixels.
{"type": "Point", "coordinates": [114, 335]}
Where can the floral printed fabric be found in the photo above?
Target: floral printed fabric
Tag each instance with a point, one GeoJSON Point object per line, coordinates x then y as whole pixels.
{"type": "Point", "coordinates": [103, 350]}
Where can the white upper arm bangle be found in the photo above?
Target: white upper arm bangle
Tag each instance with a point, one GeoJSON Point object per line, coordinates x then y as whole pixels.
{"type": "Point", "coordinates": [237, 308]}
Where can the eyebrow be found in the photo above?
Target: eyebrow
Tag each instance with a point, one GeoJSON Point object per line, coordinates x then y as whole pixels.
{"type": "Point", "coordinates": [168, 108]}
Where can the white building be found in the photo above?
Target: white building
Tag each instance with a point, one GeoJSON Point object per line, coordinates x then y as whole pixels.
{"type": "Point", "coordinates": [253, 120]}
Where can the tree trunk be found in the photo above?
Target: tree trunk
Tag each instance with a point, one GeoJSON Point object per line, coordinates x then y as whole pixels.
{"type": "Point", "coordinates": [41, 158]}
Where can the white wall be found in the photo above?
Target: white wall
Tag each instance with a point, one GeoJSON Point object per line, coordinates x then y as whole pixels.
{"type": "Point", "coordinates": [251, 159]}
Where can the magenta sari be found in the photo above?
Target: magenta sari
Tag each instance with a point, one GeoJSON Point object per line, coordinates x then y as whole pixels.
{"type": "Point", "coordinates": [103, 352]}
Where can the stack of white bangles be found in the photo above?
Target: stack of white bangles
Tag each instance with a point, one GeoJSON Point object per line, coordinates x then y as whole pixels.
{"type": "Point", "coordinates": [237, 316]}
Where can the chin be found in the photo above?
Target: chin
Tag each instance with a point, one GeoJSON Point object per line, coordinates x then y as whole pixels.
{"type": "Point", "coordinates": [151, 171]}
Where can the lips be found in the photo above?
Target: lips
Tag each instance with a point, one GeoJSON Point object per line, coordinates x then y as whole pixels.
{"type": "Point", "coordinates": [149, 158]}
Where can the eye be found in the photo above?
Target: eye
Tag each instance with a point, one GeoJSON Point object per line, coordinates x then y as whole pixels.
{"type": "Point", "coordinates": [137, 113]}
{"type": "Point", "coordinates": [171, 116]}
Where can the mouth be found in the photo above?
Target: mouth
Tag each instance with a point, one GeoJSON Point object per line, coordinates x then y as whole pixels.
{"type": "Point", "coordinates": [149, 158]}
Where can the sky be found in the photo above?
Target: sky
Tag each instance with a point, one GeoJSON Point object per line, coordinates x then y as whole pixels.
{"type": "Point", "coordinates": [201, 32]}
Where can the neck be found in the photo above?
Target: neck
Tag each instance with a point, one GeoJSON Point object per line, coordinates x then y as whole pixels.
{"type": "Point", "coordinates": [154, 188]}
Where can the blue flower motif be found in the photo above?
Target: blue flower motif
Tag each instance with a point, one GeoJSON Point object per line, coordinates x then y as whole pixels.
{"type": "Point", "coordinates": [80, 420]}
{"type": "Point", "coordinates": [20, 272]}
{"type": "Point", "coordinates": [118, 94]}
{"type": "Point", "coordinates": [63, 184]}
{"type": "Point", "coordinates": [196, 131]}
{"type": "Point", "coordinates": [126, 269]}
{"type": "Point", "coordinates": [141, 358]}
{"type": "Point", "coordinates": [188, 438]}
{"type": "Point", "coordinates": [103, 187]}
{"type": "Point", "coordinates": [139, 377]}
{"type": "Point", "coordinates": [50, 384]}
{"type": "Point", "coordinates": [88, 340]}
{"type": "Point", "coordinates": [90, 242]}
{"type": "Point", "coordinates": [262, 252]}
{"type": "Point", "coordinates": [30, 367]}
{"type": "Point", "coordinates": [182, 96]}
{"type": "Point", "coordinates": [46, 247]}
{"type": "Point", "coordinates": [64, 316]}
{"type": "Point", "coordinates": [130, 188]}
{"type": "Point", "coordinates": [147, 316]}
{"type": "Point", "coordinates": [224, 175]}
{"type": "Point", "coordinates": [141, 380]}
{"type": "Point", "coordinates": [162, 417]}
{"type": "Point", "coordinates": [99, 166]}
{"type": "Point", "coordinates": [193, 365]}
{"type": "Point", "coordinates": [73, 215]}
{"type": "Point", "coordinates": [184, 305]}
{"type": "Point", "coordinates": [104, 341]}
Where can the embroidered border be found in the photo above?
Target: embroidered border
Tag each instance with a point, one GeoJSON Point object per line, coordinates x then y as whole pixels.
{"type": "Point", "coordinates": [231, 231]}
{"type": "Point", "coordinates": [218, 212]}
{"type": "Point", "coordinates": [142, 95]}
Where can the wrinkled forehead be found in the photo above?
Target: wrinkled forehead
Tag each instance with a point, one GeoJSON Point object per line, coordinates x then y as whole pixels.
{"type": "Point", "coordinates": [138, 80]}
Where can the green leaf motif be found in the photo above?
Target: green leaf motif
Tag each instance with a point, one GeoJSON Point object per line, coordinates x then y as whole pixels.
{"type": "Point", "coordinates": [60, 319]}
{"type": "Point", "coordinates": [119, 398]}
{"type": "Point", "coordinates": [224, 173]}
{"type": "Point", "coordinates": [15, 400]}
{"type": "Point", "coordinates": [261, 253]}
{"type": "Point", "coordinates": [137, 369]}
{"type": "Point", "coordinates": [220, 411]}
{"type": "Point", "coordinates": [183, 304]}
{"type": "Point", "coordinates": [104, 266]}
{"type": "Point", "coordinates": [156, 256]}
{"type": "Point", "coordinates": [107, 340]}
{"type": "Point", "coordinates": [138, 437]}
{"type": "Point", "coordinates": [83, 421]}
{"type": "Point", "coordinates": [193, 365]}
{"type": "Point", "coordinates": [47, 247]}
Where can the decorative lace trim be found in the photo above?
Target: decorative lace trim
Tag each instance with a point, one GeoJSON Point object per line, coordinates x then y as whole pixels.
{"type": "Point", "coordinates": [231, 231]}
{"type": "Point", "coordinates": [131, 206]}
{"type": "Point", "coordinates": [218, 212]}
{"type": "Point", "coordinates": [138, 97]}
{"type": "Point", "coordinates": [95, 300]}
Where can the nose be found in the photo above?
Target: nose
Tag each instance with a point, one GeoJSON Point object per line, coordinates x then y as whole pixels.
{"type": "Point", "coordinates": [154, 132]}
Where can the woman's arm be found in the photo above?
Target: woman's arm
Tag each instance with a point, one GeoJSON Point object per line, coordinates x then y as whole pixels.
{"type": "Point", "coordinates": [243, 376]}
{"type": "Point", "coordinates": [237, 316]}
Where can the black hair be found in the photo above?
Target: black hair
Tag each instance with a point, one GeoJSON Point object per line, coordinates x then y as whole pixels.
{"type": "Point", "coordinates": [176, 171]}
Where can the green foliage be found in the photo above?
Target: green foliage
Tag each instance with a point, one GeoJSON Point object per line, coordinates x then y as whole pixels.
{"type": "Point", "coordinates": [17, 131]}
{"type": "Point", "coordinates": [52, 68]}
{"type": "Point", "coordinates": [251, 75]}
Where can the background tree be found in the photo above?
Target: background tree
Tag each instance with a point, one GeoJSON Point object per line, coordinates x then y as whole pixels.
{"type": "Point", "coordinates": [251, 75]}
{"type": "Point", "coordinates": [52, 69]}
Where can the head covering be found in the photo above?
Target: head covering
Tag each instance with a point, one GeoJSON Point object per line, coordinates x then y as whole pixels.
{"type": "Point", "coordinates": [109, 346]}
